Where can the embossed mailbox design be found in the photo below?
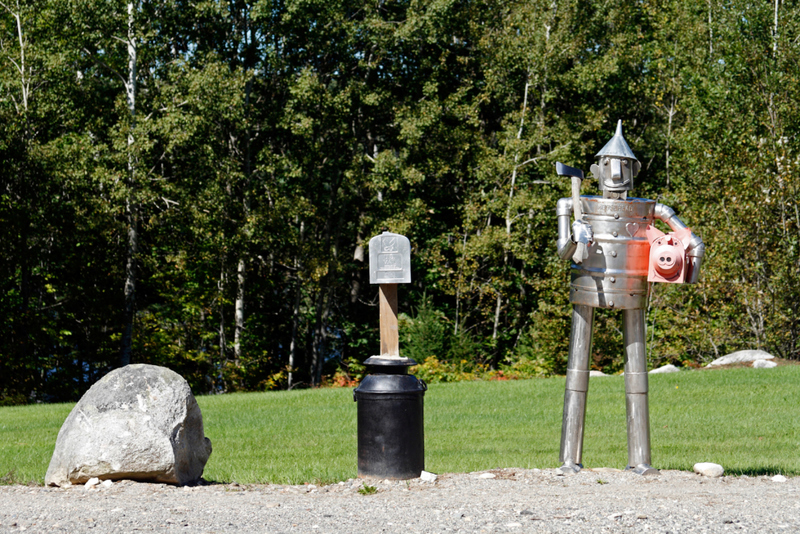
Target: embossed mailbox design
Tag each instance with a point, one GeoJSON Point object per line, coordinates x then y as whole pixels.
{"type": "Point", "coordinates": [389, 259]}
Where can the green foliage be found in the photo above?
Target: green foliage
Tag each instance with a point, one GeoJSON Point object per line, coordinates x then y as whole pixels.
{"type": "Point", "coordinates": [426, 335]}
{"type": "Point", "coordinates": [271, 140]}
{"type": "Point", "coordinates": [431, 370]}
{"type": "Point", "coordinates": [368, 490]}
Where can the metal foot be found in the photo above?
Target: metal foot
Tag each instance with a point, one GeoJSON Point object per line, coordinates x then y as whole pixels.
{"type": "Point", "coordinates": [644, 470]}
{"type": "Point", "coordinates": [569, 468]}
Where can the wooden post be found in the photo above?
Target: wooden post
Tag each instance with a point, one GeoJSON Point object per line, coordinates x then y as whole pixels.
{"type": "Point", "coordinates": [389, 265]}
{"type": "Point", "coordinates": [390, 345]}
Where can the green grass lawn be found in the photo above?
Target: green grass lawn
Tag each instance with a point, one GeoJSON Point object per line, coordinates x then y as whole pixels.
{"type": "Point", "coordinates": [744, 419]}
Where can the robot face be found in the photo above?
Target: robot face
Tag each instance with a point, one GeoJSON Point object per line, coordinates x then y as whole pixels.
{"type": "Point", "coordinates": [615, 174]}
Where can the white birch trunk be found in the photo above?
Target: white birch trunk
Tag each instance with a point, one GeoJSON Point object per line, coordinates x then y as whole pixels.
{"type": "Point", "coordinates": [239, 312]}
{"type": "Point", "coordinates": [295, 317]}
{"type": "Point", "coordinates": [223, 346]}
{"type": "Point", "coordinates": [131, 209]}
{"type": "Point", "coordinates": [775, 32]}
{"type": "Point", "coordinates": [24, 78]}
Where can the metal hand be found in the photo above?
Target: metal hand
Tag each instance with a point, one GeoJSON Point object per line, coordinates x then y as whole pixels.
{"type": "Point", "coordinates": [582, 235]}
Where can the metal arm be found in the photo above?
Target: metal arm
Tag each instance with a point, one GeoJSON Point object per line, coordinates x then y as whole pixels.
{"type": "Point", "coordinates": [566, 246]}
{"type": "Point", "coordinates": [695, 249]}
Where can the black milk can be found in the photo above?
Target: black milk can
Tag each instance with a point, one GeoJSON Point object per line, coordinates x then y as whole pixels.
{"type": "Point", "coordinates": [390, 420]}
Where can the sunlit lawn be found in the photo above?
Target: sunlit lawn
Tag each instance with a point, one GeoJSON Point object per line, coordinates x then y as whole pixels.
{"type": "Point", "coordinates": [744, 419]}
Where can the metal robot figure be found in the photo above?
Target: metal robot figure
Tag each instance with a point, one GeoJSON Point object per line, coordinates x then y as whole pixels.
{"type": "Point", "coordinates": [611, 252]}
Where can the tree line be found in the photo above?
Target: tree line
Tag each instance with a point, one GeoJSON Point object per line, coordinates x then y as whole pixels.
{"type": "Point", "coordinates": [194, 183]}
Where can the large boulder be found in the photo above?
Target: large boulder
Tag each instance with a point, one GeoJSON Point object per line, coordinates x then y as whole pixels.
{"type": "Point", "coordinates": [140, 422]}
{"type": "Point", "coordinates": [741, 356]}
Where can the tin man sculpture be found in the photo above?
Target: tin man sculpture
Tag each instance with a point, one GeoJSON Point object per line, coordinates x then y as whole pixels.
{"type": "Point", "coordinates": [613, 261]}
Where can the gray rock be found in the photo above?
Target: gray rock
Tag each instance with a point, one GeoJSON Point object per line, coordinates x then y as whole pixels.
{"type": "Point", "coordinates": [764, 364]}
{"type": "Point", "coordinates": [669, 368]}
{"type": "Point", "coordinates": [742, 356]}
{"type": "Point", "coordinates": [708, 469]}
{"type": "Point", "coordinates": [140, 422]}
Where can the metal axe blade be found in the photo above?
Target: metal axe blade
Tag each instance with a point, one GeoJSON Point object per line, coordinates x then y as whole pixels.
{"type": "Point", "coordinates": [566, 170]}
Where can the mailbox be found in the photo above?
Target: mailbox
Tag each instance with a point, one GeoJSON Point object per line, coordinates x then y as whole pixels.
{"type": "Point", "coordinates": [390, 401]}
{"type": "Point", "coordinates": [389, 259]}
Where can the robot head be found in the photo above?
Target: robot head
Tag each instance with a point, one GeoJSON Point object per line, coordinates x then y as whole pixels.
{"type": "Point", "coordinates": [617, 166]}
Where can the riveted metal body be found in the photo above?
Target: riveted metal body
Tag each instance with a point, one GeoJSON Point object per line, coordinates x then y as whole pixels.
{"type": "Point", "coordinates": [391, 441]}
{"type": "Point", "coordinates": [614, 275]}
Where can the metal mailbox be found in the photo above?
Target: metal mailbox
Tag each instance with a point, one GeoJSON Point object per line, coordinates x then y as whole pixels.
{"type": "Point", "coordinates": [389, 259]}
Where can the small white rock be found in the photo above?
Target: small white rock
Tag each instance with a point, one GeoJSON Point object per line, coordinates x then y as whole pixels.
{"type": "Point", "coordinates": [487, 475]}
{"type": "Point", "coordinates": [764, 364]}
{"type": "Point", "coordinates": [597, 373]}
{"type": "Point", "coordinates": [427, 477]}
{"type": "Point", "coordinates": [107, 483]}
{"type": "Point", "coordinates": [669, 368]}
{"type": "Point", "coordinates": [708, 469]}
{"type": "Point", "coordinates": [779, 478]}
{"type": "Point", "coordinates": [92, 482]}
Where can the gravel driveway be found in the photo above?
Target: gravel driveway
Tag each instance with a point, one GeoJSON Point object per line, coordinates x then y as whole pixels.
{"type": "Point", "coordinates": [503, 500]}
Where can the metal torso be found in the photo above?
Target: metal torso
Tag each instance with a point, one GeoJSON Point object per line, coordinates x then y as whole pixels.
{"type": "Point", "coordinates": [615, 273]}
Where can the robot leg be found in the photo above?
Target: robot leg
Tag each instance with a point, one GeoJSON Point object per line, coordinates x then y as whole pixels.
{"type": "Point", "coordinates": [580, 346]}
{"type": "Point", "coordinates": [636, 392]}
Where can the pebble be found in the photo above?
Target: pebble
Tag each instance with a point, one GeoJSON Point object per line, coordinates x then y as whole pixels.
{"type": "Point", "coordinates": [779, 478]}
{"type": "Point", "coordinates": [708, 469]}
{"type": "Point", "coordinates": [427, 477]}
{"type": "Point", "coordinates": [92, 482]}
{"type": "Point", "coordinates": [487, 475]}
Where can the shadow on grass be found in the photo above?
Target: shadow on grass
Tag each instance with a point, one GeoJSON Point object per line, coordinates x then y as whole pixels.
{"type": "Point", "coordinates": [757, 471]}
{"type": "Point", "coordinates": [13, 479]}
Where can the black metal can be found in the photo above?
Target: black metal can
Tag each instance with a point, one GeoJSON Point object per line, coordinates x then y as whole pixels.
{"type": "Point", "coordinates": [390, 421]}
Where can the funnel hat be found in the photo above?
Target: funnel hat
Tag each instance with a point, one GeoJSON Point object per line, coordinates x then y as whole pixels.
{"type": "Point", "coordinates": [616, 165]}
{"type": "Point", "coordinates": [617, 146]}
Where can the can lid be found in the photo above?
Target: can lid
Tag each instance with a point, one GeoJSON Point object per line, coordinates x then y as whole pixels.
{"type": "Point", "coordinates": [389, 365]}
{"type": "Point", "coordinates": [391, 383]}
